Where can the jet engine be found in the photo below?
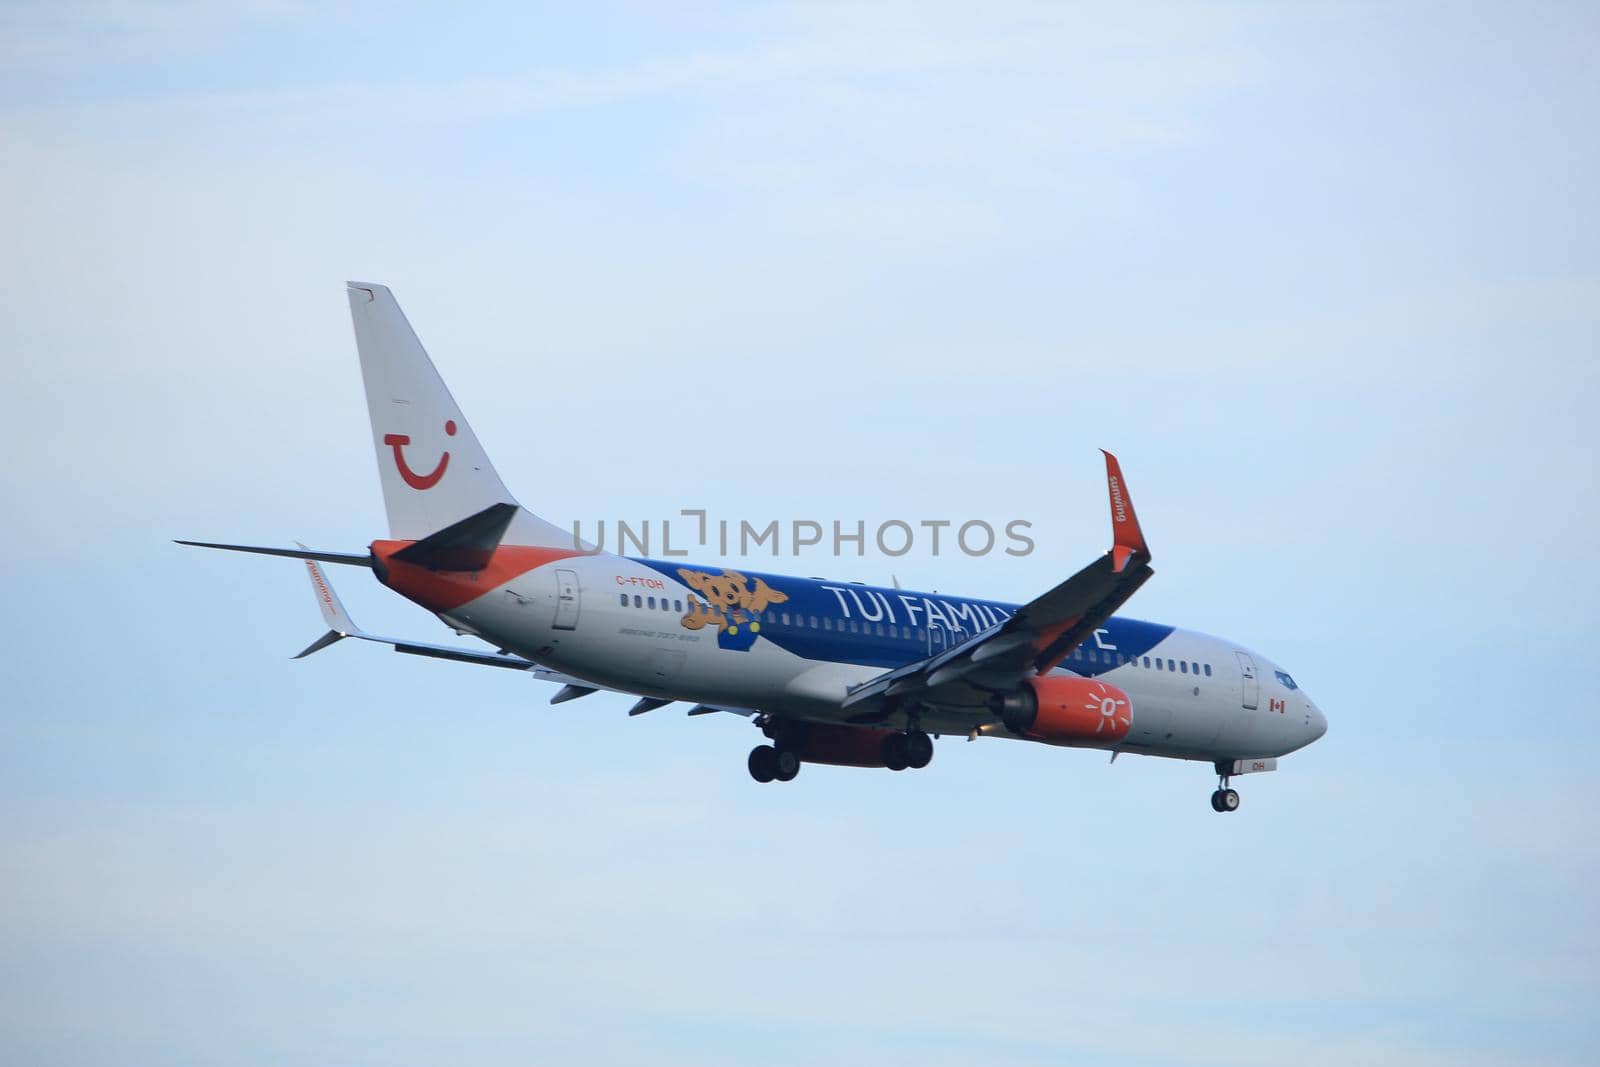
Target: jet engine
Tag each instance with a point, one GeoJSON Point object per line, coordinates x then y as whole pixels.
{"type": "Point", "coordinates": [1060, 708]}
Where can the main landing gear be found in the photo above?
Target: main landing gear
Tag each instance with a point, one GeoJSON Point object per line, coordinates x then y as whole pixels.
{"type": "Point", "coordinates": [780, 761]}
{"type": "Point", "coordinates": [769, 763]}
{"type": "Point", "coordinates": [913, 749]}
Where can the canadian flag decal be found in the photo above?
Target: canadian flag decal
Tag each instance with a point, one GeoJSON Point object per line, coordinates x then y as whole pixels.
{"type": "Point", "coordinates": [1275, 705]}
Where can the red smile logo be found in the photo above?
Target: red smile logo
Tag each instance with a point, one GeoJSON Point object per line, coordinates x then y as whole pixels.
{"type": "Point", "coordinates": [398, 442]}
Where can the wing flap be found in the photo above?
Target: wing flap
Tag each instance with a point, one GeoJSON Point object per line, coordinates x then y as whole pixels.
{"type": "Point", "coordinates": [460, 655]}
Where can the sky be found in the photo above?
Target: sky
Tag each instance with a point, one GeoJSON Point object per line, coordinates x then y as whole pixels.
{"type": "Point", "coordinates": [1324, 276]}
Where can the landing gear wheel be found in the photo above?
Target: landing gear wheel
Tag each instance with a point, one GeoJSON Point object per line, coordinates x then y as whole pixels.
{"type": "Point", "coordinates": [919, 749]}
{"type": "Point", "coordinates": [1225, 799]}
{"type": "Point", "coordinates": [786, 766]}
{"type": "Point", "coordinates": [763, 763]}
{"type": "Point", "coordinates": [894, 752]}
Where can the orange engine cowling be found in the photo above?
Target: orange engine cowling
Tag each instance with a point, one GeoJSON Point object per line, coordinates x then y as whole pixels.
{"type": "Point", "coordinates": [1055, 708]}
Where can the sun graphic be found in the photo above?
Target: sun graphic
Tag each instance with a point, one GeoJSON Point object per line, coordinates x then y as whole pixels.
{"type": "Point", "coordinates": [1112, 711]}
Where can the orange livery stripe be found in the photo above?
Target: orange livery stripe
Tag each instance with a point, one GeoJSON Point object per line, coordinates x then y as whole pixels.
{"type": "Point", "coordinates": [447, 590]}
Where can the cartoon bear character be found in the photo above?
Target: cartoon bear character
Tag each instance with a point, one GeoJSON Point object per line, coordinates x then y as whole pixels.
{"type": "Point", "coordinates": [731, 599]}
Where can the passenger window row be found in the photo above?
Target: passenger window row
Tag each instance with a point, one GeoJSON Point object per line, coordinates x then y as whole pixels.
{"type": "Point", "coordinates": [642, 601]}
{"type": "Point", "coordinates": [1181, 667]}
{"type": "Point", "coordinates": [788, 618]}
{"type": "Point", "coordinates": [795, 619]}
{"type": "Point", "coordinates": [1093, 655]}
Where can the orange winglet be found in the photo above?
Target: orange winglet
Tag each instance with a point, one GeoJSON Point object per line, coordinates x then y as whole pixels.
{"type": "Point", "coordinates": [1127, 540]}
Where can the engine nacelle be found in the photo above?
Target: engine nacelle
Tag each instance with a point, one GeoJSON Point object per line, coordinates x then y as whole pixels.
{"type": "Point", "coordinates": [1057, 708]}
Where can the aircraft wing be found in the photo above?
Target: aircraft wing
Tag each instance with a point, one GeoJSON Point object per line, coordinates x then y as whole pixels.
{"type": "Point", "coordinates": [341, 625]}
{"type": "Point", "coordinates": [1044, 631]}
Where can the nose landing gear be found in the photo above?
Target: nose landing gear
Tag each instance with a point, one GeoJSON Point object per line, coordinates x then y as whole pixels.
{"type": "Point", "coordinates": [1224, 799]}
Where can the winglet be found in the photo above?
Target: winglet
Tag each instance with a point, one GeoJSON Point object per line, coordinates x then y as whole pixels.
{"type": "Point", "coordinates": [339, 622]}
{"type": "Point", "coordinates": [1127, 540]}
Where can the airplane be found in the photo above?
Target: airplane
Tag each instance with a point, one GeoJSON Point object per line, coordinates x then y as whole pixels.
{"type": "Point", "coordinates": [830, 672]}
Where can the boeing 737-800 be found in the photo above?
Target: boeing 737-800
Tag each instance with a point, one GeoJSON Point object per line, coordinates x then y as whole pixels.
{"type": "Point", "coordinates": [831, 672]}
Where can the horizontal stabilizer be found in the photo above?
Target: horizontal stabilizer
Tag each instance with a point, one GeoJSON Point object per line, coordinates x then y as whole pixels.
{"type": "Point", "coordinates": [462, 546]}
{"type": "Point", "coordinates": [342, 626]}
{"type": "Point", "coordinates": [351, 558]}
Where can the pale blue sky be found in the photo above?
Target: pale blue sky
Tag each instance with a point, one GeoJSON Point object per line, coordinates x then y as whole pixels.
{"type": "Point", "coordinates": [1324, 276]}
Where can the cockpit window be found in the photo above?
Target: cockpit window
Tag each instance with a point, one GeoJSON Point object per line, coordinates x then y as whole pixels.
{"type": "Point", "coordinates": [1288, 682]}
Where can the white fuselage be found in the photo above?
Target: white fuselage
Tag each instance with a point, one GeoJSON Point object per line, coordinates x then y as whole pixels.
{"type": "Point", "coordinates": [625, 624]}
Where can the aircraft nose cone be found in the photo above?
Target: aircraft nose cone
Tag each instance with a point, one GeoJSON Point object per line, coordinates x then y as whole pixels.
{"type": "Point", "coordinates": [1319, 721]}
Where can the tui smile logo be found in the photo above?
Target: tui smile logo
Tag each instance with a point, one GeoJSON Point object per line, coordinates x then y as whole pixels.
{"type": "Point", "coordinates": [398, 442]}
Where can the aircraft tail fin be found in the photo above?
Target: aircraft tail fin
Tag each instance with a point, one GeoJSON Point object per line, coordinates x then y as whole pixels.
{"type": "Point", "coordinates": [434, 471]}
